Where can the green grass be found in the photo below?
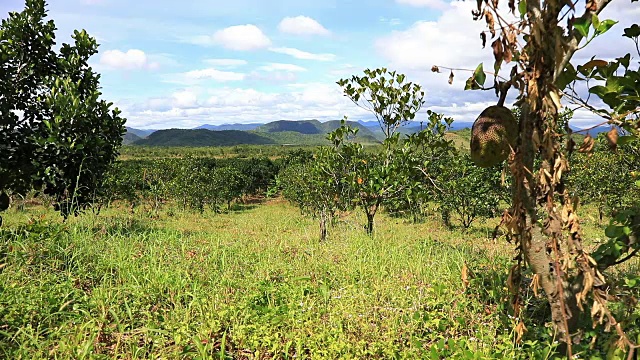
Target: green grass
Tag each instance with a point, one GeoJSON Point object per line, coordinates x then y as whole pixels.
{"type": "Point", "coordinates": [251, 284]}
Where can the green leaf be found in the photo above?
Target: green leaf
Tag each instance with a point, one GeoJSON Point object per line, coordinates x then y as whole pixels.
{"type": "Point", "coordinates": [582, 25]}
{"type": "Point", "coordinates": [479, 75]}
{"type": "Point", "coordinates": [604, 26]}
{"type": "Point", "coordinates": [623, 140]}
{"type": "Point", "coordinates": [632, 32]}
{"type": "Point", "coordinates": [566, 77]}
{"type": "Point", "coordinates": [522, 8]}
{"type": "Point", "coordinates": [614, 231]}
{"type": "Point", "coordinates": [595, 21]}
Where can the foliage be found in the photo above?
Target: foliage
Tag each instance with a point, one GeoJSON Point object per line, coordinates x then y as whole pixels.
{"type": "Point", "coordinates": [387, 95]}
{"type": "Point", "coordinates": [320, 185]}
{"type": "Point", "coordinates": [56, 134]}
{"type": "Point", "coordinates": [543, 214]}
{"type": "Point", "coordinates": [467, 192]}
{"type": "Point", "coordinates": [197, 183]}
{"type": "Point", "coordinates": [606, 179]}
{"type": "Point", "coordinates": [396, 173]}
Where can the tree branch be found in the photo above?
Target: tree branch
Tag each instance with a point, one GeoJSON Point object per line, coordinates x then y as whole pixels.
{"type": "Point", "coordinates": [575, 37]}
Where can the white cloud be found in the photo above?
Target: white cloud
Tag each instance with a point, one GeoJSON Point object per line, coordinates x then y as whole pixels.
{"type": "Point", "coordinates": [237, 37]}
{"type": "Point", "coordinates": [185, 99]}
{"type": "Point", "coordinates": [227, 63]}
{"type": "Point", "coordinates": [282, 67]}
{"type": "Point", "coordinates": [243, 105]}
{"type": "Point", "coordinates": [451, 41]}
{"type": "Point", "coordinates": [133, 59]}
{"type": "Point", "coordinates": [214, 74]}
{"type": "Point", "coordinates": [435, 4]}
{"type": "Point", "coordinates": [302, 25]}
{"type": "Point", "coordinates": [303, 55]}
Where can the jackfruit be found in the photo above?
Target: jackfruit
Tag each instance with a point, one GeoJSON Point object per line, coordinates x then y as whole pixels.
{"type": "Point", "coordinates": [493, 134]}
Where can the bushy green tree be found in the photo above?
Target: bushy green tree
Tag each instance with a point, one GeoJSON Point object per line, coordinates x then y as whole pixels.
{"type": "Point", "coordinates": [320, 186]}
{"type": "Point", "coordinates": [386, 176]}
{"type": "Point", "coordinates": [466, 192]}
{"type": "Point", "coordinates": [56, 134]}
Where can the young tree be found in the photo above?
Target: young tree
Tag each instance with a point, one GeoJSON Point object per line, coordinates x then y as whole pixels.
{"type": "Point", "coordinates": [320, 186]}
{"type": "Point", "coordinates": [543, 218]}
{"type": "Point", "coordinates": [56, 135]}
{"type": "Point", "coordinates": [387, 176]}
{"type": "Point", "coordinates": [467, 192]}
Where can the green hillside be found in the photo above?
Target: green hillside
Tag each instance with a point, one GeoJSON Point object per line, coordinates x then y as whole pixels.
{"type": "Point", "coordinates": [202, 137]}
{"type": "Point", "coordinates": [283, 132]}
{"type": "Point", "coordinates": [129, 138]}
{"type": "Point", "coordinates": [308, 127]}
{"type": "Point", "coordinates": [312, 127]}
{"type": "Point", "coordinates": [139, 132]}
{"type": "Point", "coordinates": [296, 138]}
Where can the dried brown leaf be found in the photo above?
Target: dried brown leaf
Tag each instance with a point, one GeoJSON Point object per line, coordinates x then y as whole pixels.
{"type": "Point", "coordinates": [612, 139]}
{"type": "Point", "coordinates": [535, 284]}
{"type": "Point", "coordinates": [513, 280]}
{"type": "Point", "coordinates": [497, 50]}
{"type": "Point", "coordinates": [508, 56]}
{"type": "Point", "coordinates": [435, 69]}
{"type": "Point", "coordinates": [594, 63]}
{"type": "Point", "coordinates": [512, 6]}
{"type": "Point", "coordinates": [587, 145]}
{"type": "Point", "coordinates": [483, 37]}
{"type": "Point", "coordinates": [464, 275]}
{"type": "Point", "coordinates": [451, 78]}
{"type": "Point", "coordinates": [520, 330]}
{"type": "Point", "coordinates": [491, 23]}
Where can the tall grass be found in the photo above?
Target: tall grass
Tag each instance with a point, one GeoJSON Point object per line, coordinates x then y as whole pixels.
{"type": "Point", "coordinates": [250, 284]}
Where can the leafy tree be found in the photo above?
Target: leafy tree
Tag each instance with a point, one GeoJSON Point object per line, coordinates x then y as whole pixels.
{"type": "Point", "coordinates": [468, 192]}
{"type": "Point", "coordinates": [56, 135]}
{"type": "Point", "coordinates": [321, 186]}
{"type": "Point", "coordinates": [380, 178]}
{"type": "Point", "coordinates": [543, 218]}
{"type": "Point", "coordinates": [229, 183]}
{"type": "Point", "coordinates": [386, 94]}
{"type": "Point", "coordinates": [606, 178]}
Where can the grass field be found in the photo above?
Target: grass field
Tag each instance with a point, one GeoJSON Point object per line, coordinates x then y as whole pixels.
{"type": "Point", "coordinates": [254, 283]}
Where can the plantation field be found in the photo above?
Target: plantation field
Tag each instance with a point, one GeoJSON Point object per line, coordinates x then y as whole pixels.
{"type": "Point", "coordinates": [253, 283]}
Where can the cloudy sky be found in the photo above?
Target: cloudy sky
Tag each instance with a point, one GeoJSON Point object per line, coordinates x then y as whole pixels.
{"type": "Point", "coordinates": [181, 64]}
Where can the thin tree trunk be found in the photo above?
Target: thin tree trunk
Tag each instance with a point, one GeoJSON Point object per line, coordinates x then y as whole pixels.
{"type": "Point", "coordinates": [323, 225]}
{"type": "Point", "coordinates": [371, 213]}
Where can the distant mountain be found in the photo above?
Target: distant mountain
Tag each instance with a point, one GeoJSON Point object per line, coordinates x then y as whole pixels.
{"type": "Point", "coordinates": [594, 132]}
{"type": "Point", "coordinates": [331, 125]}
{"type": "Point", "coordinates": [129, 138]}
{"type": "Point", "coordinates": [311, 132]}
{"type": "Point", "coordinates": [139, 132]}
{"type": "Point", "coordinates": [245, 127]}
{"type": "Point", "coordinates": [303, 126]}
{"type": "Point", "coordinates": [368, 124]}
{"type": "Point", "coordinates": [203, 137]}
{"type": "Point", "coordinates": [313, 127]}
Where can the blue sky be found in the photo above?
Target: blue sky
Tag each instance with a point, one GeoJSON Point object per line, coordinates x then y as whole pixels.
{"type": "Point", "coordinates": [186, 63]}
